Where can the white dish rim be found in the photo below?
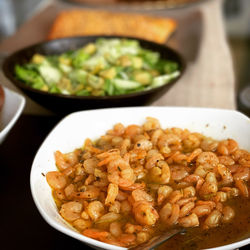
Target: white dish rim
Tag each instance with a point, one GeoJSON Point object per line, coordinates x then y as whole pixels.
{"type": "Point", "coordinates": [97, 243]}
{"type": "Point", "coordinates": [17, 114]}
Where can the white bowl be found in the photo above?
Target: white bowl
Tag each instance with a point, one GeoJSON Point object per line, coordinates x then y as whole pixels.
{"type": "Point", "coordinates": [71, 132]}
{"type": "Point", "coordinates": [11, 110]}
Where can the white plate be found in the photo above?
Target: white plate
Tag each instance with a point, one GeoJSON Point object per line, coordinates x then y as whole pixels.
{"type": "Point", "coordinates": [72, 131]}
{"type": "Point", "coordinates": [11, 110]}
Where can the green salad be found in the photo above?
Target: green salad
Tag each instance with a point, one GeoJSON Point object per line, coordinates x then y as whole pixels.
{"type": "Point", "coordinates": [104, 68]}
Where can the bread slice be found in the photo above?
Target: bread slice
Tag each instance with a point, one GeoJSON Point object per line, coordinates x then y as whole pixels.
{"type": "Point", "coordinates": [82, 22]}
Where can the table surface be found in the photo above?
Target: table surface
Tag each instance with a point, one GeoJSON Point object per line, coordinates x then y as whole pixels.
{"type": "Point", "coordinates": [209, 77]}
{"type": "Point", "coordinates": [22, 227]}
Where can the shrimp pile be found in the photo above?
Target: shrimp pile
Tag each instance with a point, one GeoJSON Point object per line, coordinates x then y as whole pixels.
{"type": "Point", "coordinates": [135, 182]}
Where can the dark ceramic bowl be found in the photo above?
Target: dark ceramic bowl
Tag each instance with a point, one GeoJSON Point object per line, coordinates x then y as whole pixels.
{"type": "Point", "coordinates": [64, 104]}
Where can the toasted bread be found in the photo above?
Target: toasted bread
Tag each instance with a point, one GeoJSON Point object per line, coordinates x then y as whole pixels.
{"type": "Point", "coordinates": [95, 22]}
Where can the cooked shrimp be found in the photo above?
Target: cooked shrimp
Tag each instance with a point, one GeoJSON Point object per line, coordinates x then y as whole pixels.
{"type": "Point", "coordinates": [227, 214]}
{"type": "Point", "coordinates": [191, 220]}
{"type": "Point", "coordinates": [193, 178]}
{"type": "Point", "coordinates": [131, 228]}
{"type": "Point", "coordinates": [87, 192]}
{"type": "Point", "coordinates": [231, 192]}
{"type": "Point", "coordinates": [134, 186]}
{"type": "Point", "coordinates": [126, 208]}
{"type": "Point", "coordinates": [127, 239]}
{"type": "Point", "coordinates": [115, 228]}
{"type": "Point", "coordinates": [132, 130]}
{"type": "Point", "coordinates": [107, 160]}
{"type": "Point", "coordinates": [213, 219]}
{"type": "Point", "coordinates": [120, 173]}
{"type": "Point", "coordinates": [227, 147]}
{"type": "Point", "coordinates": [95, 210]}
{"type": "Point", "coordinates": [243, 157]}
{"type": "Point", "coordinates": [136, 155]}
{"type": "Point", "coordinates": [81, 224]}
{"type": "Point", "coordinates": [115, 207]}
{"type": "Point", "coordinates": [142, 237]}
{"type": "Point", "coordinates": [168, 139]}
{"type": "Point", "coordinates": [140, 172]}
{"type": "Point", "coordinates": [177, 157]}
{"type": "Point", "coordinates": [211, 204]}
{"type": "Point", "coordinates": [151, 123]}
{"type": "Point", "coordinates": [202, 210]}
{"type": "Point", "coordinates": [71, 210]}
{"type": "Point", "coordinates": [102, 235]}
{"type": "Point", "coordinates": [163, 193]}
{"type": "Point", "coordinates": [121, 196]}
{"type": "Point", "coordinates": [124, 146]}
{"type": "Point", "coordinates": [156, 135]}
{"type": "Point", "coordinates": [160, 173]}
{"type": "Point", "coordinates": [184, 201]}
{"type": "Point", "coordinates": [200, 171]}
{"type": "Point", "coordinates": [90, 165]}
{"type": "Point", "coordinates": [208, 160]}
{"type": "Point", "coordinates": [88, 145]}
{"type": "Point", "coordinates": [191, 142]}
{"type": "Point", "coordinates": [69, 191]}
{"type": "Point", "coordinates": [117, 130]}
{"type": "Point", "coordinates": [151, 162]}
{"type": "Point", "coordinates": [64, 161]}
{"type": "Point", "coordinates": [210, 185]}
{"type": "Point", "coordinates": [242, 173]}
{"type": "Point", "coordinates": [175, 196]}
{"type": "Point", "coordinates": [145, 213]}
{"type": "Point", "coordinates": [189, 192]}
{"type": "Point", "coordinates": [107, 218]}
{"type": "Point", "coordinates": [194, 154]}
{"type": "Point", "coordinates": [220, 196]}
{"type": "Point", "coordinates": [90, 179]}
{"type": "Point", "coordinates": [140, 195]}
{"type": "Point", "coordinates": [56, 180]}
{"type": "Point", "coordinates": [226, 160]}
{"type": "Point", "coordinates": [112, 192]}
{"type": "Point", "coordinates": [185, 209]}
{"type": "Point", "coordinates": [143, 144]}
{"type": "Point", "coordinates": [208, 144]}
{"type": "Point", "coordinates": [178, 172]}
{"type": "Point", "coordinates": [169, 214]}
{"type": "Point", "coordinates": [225, 174]}
{"type": "Point", "coordinates": [241, 185]}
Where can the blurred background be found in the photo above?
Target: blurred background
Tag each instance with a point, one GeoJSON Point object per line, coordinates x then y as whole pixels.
{"type": "Point", "coordinates": [13, 13]}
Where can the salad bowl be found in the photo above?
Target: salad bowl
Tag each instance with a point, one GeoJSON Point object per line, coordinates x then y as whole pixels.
{"type": "Point", "coordinates": [65, 103]}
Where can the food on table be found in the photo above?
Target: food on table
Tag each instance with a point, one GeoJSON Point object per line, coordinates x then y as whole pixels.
{"type": "Point", "coordinates": [97, 22]}
{"type": "Point", "coordinates": [135, 182]}
{"type": "Point", "coordinates": [1, 97]}
{"type": "Point", "coordinates": [106, 67]}
{"type": "Point", "coordinates": [167, 2]}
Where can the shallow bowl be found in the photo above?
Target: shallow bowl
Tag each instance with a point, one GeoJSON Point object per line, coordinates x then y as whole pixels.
{"type": "Point", "coordinates": [72, 131]}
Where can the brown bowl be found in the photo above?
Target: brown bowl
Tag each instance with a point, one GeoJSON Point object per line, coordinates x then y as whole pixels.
{"type": "Point", "coordinates": [64, 104]}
